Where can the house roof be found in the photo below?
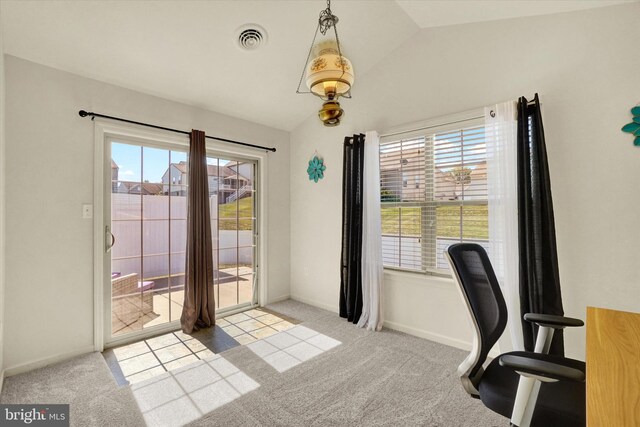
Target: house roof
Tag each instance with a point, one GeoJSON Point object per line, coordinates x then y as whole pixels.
{"type": "Point", "coordinates": [147, 187]}
{"type": "Point", "coordinates": [212, 170]}
{"type": "Point", "coordinates": [114, 165]}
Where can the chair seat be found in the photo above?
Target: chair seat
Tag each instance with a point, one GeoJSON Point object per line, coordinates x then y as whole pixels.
{"type": "Point", "coordinates": [499, 384]}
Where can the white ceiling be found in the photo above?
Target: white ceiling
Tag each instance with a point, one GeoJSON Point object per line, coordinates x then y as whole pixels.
{"type": "Point", "coordinates": [438, 13]}
{"type": "Point", "coordinates": [186, 50]}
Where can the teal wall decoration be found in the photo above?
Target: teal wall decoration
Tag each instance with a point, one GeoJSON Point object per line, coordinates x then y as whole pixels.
{"type": "Point", "coordinates": [634, 127]}
{"type": "Point", "coordinates": [316, 169]}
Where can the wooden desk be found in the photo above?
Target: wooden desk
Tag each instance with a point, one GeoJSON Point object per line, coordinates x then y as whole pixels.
{"type": "Point", "coordinates": [613, 368]}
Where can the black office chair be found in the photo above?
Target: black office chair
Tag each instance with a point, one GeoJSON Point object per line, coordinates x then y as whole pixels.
{"type": "Point", "coordinates": [530, 388]}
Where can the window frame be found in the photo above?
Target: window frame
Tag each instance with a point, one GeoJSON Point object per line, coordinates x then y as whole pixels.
{"type": "Point", "coordinates": [105, 129]}
{"type": "Point", "coordinates": [427, 129]}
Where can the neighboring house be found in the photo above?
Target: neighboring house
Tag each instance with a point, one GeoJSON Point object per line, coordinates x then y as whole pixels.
{"type": "Point", "coordinates": [114, 170]}
{"type": "Point", "coordinates": [400, 175]}
{"type": "Point", "coordinates": [224, 181]}
{"type": "Point", "coordinates": [144, 188]}
{"type": "Point", "coordinates": [132, 187]}
{"type": "Point", "coordinates": [114, 176]}
{"type": "Point", "coordinates": [401, 178]}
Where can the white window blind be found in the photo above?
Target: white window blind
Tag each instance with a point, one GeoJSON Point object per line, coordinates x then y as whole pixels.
{"type": "Point", "coordinates": [433, 193]}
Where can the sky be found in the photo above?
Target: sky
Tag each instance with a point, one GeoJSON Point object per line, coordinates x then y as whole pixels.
{"type": "Point", "coordinates": [448, 147]}
{"type": "Point", "coordinates": [152, 162]}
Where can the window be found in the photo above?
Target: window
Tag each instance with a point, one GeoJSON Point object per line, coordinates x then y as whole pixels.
{"type": "Point", "coordinates": [448, 201]}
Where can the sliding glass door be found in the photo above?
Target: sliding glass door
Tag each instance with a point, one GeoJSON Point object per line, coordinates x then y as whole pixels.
{"type": "Point", "coordinates": [147, 225]}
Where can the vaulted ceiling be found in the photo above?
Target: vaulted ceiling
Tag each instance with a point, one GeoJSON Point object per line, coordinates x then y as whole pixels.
{"type": "Point", "coordinates": [187, 51]}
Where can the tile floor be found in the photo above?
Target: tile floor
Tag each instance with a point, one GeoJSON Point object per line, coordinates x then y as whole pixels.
{"type": "Point", "coordinates": [133, 363]}
{"type": "Point", "coordinates": [178, 378]}
{"type": "Point", "coordinates": [289, 348]}
{"type": "Point", "coordinates": [185, 394]}
{"type": "Point", "coordinates": [255, 324]}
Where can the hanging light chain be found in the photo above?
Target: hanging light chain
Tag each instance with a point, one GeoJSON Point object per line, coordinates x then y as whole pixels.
{"type": "Point", "coordinates": [304, 69]}
{"type": "Point", "coordinates": [327, 19]}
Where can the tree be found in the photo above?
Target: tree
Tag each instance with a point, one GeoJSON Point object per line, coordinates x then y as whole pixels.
{"type": "Point", "coordinates": [459, 177]}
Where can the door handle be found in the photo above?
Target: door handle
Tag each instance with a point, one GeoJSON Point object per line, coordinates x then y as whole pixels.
{"type": "Point", "coordinates": [109, 239]}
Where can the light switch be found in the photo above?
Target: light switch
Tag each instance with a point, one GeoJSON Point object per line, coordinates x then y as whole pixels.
{"type": "Point", "coordinates": [87, 211]}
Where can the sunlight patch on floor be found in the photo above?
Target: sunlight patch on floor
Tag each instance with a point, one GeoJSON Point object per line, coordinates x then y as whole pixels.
{"type": "Point", "coordinates": [290, 348]}
{"type": "Point", "coordinates": [185, 394]}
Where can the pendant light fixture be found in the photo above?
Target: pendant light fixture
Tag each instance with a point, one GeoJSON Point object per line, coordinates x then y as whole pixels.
{"type": "Point", "coordinates": [327, 73]}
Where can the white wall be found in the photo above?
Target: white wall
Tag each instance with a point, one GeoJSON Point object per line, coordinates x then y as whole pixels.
{"type": "Point", "coordinates": [50, 163]}
{"type": "Point", "coordinates": [584, 67]}
{"type": "Point", "coordinates": [2, 209]}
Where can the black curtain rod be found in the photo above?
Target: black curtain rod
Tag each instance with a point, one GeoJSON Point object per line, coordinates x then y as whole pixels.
{"type": "Point", "coordinates": [84, 113]}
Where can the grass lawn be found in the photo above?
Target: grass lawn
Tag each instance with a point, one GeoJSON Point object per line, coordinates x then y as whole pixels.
{"type": "Point", "coordinates": [227, 214]}
{"type": "Point", "coordinates": [475, 224]}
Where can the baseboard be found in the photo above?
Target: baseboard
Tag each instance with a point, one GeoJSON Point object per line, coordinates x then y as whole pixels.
{"type": "Point", "coordinates": [431, 336]}
{"type": "Point", "coordinates": [278, 299]}
{"type": "Point", "coordinates": [331, 308]}
{"type": "Point", "coordinates": [39, 363]}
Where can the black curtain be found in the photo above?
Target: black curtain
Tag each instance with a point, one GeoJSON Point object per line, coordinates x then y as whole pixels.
{"type": "Point", "coordinates": [539, 277]}
{"type": "Point", "coordinates": [350, 264]}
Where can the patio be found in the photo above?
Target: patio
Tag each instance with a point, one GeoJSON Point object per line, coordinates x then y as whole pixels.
{"type": "Point", "coordinates": [152, 307]}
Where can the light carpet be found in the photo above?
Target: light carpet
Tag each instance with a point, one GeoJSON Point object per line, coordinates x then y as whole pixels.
{"type": "Point", "coordinates": [371, 379]}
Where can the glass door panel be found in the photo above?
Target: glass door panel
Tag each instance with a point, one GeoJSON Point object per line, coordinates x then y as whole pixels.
{"type": "Point", "coordinates": [232, 197]}
{"type": "Point", "coordinates": [148, 222]}
{"type": "Point", "coordinates": [148, 219]}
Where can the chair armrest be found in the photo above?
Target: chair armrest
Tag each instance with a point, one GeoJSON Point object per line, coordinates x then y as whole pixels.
{"type": "Point", "coordinates": [552, 321]}
{"type": "Point", "coordinates": [541, 368]}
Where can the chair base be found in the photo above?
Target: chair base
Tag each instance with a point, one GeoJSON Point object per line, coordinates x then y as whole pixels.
{"type": "Point", "coordinates": [498, 390]}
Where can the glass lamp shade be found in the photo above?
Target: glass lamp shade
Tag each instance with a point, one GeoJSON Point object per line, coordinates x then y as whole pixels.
{"type": "Point", "coordinates": [328, 74]}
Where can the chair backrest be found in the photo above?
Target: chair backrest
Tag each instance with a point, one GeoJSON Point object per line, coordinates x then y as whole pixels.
{"type": "Point", "coordinates": [481, 293]}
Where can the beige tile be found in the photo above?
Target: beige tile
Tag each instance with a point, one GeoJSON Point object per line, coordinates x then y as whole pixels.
{"type": "Point", "coordinates": [245, 291]}
{"type": "Point", "coordinates": [195, 345]}
{"type": "Point", "coordinates": [131, 350]}
{"type": "Point", "coordinates": [264, 332]}
{"type": "Point", "coordinates": [160, 310]}
{"type": "Point", "coordinates": [178, 297]}
{"type": "Point", "coordinates": [138, 364]}
{"type": "Point", "coordinates": [205, 354]}
{"type": "Point", "coordinates": [270, 319]}
{"type": "Point", "coordinates": [232, 330]}
{"type": "Point", "coordinates": [125, 330]}
{"type": "Point", "coordinates": [178, 363]}
{"type": "Point", "coordinates": [165, 309]}
{"type": "Point", "coordinates": [250, 325]}
{"type": "Point", "coordinates": [222, 322]}
{"type": "Point", "coordinates": [163, 341]}
{"type": "Point", "coordinates": [255, 313]}
{"type": "Point", "coordinates": [282, 326]}
{"type": "Point", "coordinates": [117, 325]}
{"type": "Point", "coordinates": [182, 336]}
{"type": "Point", "coordinates": [235, 318]}
{"type": "Point", "coordinates": [145, 375]}
{"type": "Point", "coordinates": [149, 319]}
{"type": "Point", "coordinates": [176, 311]}
{"type": "Point", "coordinates": [244, 339]}
{"type": "Point", "coordinates": [227, 295]}
{"type": "Point", "coordinates": [173, 352]}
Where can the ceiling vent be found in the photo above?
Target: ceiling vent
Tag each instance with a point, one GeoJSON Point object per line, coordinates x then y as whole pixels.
{"type": "Point", "coordinates": [251, 37]}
